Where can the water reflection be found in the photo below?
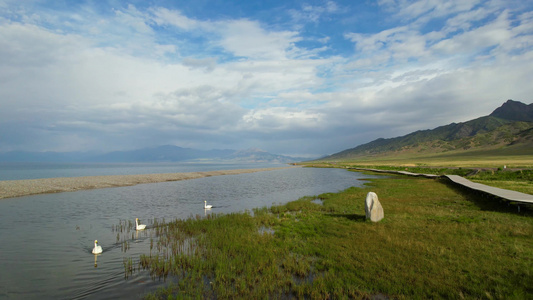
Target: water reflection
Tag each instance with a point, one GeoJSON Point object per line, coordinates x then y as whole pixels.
{"type": "Point", "coordinates": [207, 211]}
{"type": "Point", "coordinates": [60, 268]}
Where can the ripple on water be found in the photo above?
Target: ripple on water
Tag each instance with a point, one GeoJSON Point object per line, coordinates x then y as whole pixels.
{"type": "Point", "coordinates": [47, 239]}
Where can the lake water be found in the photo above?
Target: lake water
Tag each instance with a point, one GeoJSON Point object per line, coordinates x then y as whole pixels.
{"type": "Point", "coordinates": [46, 240]}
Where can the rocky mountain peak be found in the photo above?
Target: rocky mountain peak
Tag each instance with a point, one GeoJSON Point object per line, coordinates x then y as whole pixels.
{"type": "Point", "coordinates": [515, 111]}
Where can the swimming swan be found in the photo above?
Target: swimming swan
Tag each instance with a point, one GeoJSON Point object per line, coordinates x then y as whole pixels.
{"type": "Point", "coordinates": [207, 206]}
{"type": "Point", "coordinates": [139, 226]}
{"type": "Point", "coordinates": [97, 249]}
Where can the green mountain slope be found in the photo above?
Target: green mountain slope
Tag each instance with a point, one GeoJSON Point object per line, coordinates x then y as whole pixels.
{"type": "Point", "coordinates": [509, 129]}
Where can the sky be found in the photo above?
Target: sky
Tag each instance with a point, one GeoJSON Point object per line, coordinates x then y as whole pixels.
{"type": "Point", "coordinates": [301, 78]}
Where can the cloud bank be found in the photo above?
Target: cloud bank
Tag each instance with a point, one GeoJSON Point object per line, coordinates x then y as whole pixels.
{"type": "Point", "coordinates": [289, 78]}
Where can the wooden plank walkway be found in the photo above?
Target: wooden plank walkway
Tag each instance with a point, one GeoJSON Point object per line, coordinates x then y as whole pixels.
{"type": "Point", "coordinates": [398, 172]}
{"type": "Point", "coordinates": [508, 195]}
{"type": "Point", "coordinates": [494, 191]}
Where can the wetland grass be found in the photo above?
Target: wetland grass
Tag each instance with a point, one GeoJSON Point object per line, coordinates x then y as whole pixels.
{"type": "Point", "coordinates": [435, 242]}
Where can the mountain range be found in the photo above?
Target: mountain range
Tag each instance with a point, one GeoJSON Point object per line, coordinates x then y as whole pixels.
{"type": "Point", "coordinates": [508, 130]}
{"type": "Point", "coordinates": [166, 153]}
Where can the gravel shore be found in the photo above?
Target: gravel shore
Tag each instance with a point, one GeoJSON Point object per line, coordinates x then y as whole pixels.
{"type": "Point", "coordinates": [18, 188]}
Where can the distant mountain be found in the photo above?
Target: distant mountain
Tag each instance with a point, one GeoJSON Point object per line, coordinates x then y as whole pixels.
{"type": "Point", "coordinates": [258, 155]}
{"type": "Point", "coordinates": [514, 110]}
{"type": "Point", "coordinates": [160, 154]}
{"type": "Point", "coordinates": [508, 129]}
{"type": "Point", "coordinates": [48, 156]}
{"type": "Point", "coordinates": [167, 153]}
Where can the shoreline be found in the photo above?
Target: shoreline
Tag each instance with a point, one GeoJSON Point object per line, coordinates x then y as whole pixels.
{"type": "Point", "coordinates": [329, 250]}
{"type": "Point", "coordinates": [28, 187]}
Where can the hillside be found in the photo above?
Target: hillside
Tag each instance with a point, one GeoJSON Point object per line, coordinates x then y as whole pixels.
{"type": "Point", "coordinates": [508, 129]}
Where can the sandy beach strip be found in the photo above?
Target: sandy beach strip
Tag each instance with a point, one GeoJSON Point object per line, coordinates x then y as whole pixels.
{"type": "Point", "coordinates": [18, 188]}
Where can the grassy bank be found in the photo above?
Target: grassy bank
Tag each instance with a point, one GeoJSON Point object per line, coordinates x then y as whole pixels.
{"type": "Point", "coordinates": [464, 159]}
{"type": "Point", "coordinates": [434, 242]}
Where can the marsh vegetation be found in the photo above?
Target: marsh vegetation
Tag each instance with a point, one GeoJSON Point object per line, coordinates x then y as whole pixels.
{"type": "Point", "coordinates": [435, 242]}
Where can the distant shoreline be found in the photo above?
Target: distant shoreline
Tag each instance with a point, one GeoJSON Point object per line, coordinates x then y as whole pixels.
{"type": "Point", "coordinates": [27, 187]}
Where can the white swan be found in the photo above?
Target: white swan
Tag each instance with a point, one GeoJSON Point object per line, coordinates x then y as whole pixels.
{"type": "Point", "coordinates": [139, 226]}
{"type": "Point", "coordinates": [207, 206]}
{"type": "Point", "coordinates": [97, 249]}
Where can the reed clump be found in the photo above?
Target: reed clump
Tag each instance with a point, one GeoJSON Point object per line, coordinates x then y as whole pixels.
{"type": "Point", "coordinates": [435, 242]}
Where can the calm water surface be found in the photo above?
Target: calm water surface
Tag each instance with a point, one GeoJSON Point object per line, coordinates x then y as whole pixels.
{"type": "Point", "coordinates": [46, 240]}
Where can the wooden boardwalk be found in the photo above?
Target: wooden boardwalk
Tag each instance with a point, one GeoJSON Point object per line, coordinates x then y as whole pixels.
{"type": "Point", "coordinates": [494, 191]}
{"type": "Point", "coordinates": [398, 172]}
{"type": "Point", "coordinates": [508, 195]}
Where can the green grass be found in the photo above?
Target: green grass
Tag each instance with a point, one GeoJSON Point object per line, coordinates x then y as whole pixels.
{"type": "Point", "coordinates": [462, 159]}
{"type": "Point", "coordinates": [435, 242]}
{"type": "Point", "coordinates": [516, 180]}
{"type": "Point", "coordinates": [520, 180]}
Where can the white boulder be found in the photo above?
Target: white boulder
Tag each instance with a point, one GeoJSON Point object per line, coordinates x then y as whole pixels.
{"type": "Point", "coordinates": [373, 209]}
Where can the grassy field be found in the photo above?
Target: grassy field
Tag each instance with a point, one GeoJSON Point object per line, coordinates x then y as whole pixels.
{"type": "Point", "coordinates": [435, 242]}
{"type": "Point", "coordinates": [519, 156]}
{"type": "Point", "coordinates": [517, 180]}
{"type": "Point", "coordinates": [512, 172]}
{"type": "Point", "coordinates": [459, 161]}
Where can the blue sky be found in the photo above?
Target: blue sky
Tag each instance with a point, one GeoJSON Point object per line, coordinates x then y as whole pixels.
{"type": "Point", "coordinates": [290, 77]}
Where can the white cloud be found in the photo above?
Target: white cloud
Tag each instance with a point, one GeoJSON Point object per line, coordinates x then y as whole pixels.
{"type": "Point", "coordinates": [136, 77]}
{"type": "Point", "coordinates": [471, 42]}
{"type": "Point", "coordinates": [240, 37]}
{"type": "Point", "coordinates": [405, 80]}
{"type": "Point", "coordinates": [208, 64]}
{"type": "Point", "coordinates": [81, 90]}
{"type": "Point", "coordinates": [464, 21]}
{"type": "Point", "coordinates": [275, 119]}
{"type": "Point", "coordinates": [247, 39]}
{"type": "Point", "coordinates": [425, 10]}
{"type": "Point", "coordinates": [313, 13]}
{"type": "Point", "coordinates": [164, 16]}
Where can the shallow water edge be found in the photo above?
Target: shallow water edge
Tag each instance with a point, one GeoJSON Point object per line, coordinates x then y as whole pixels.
{"type": "Point", "coordinates": [26, 187]}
